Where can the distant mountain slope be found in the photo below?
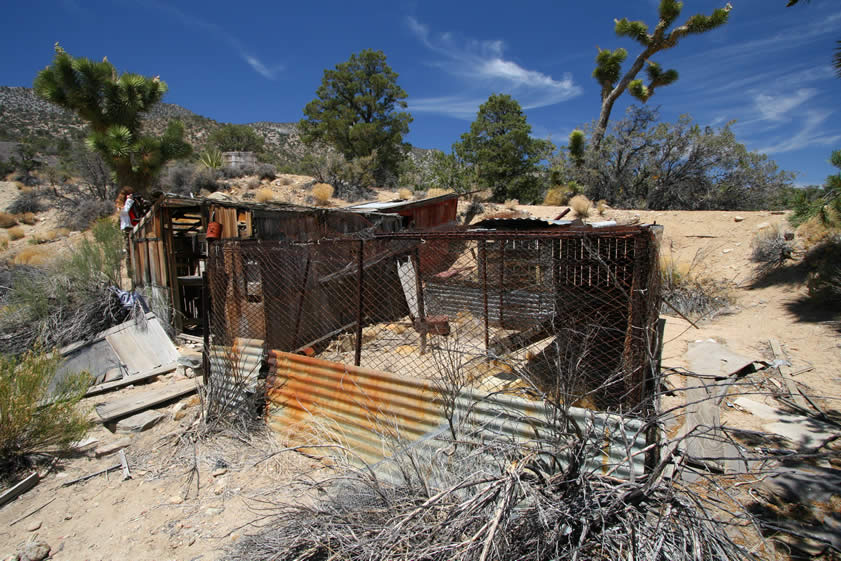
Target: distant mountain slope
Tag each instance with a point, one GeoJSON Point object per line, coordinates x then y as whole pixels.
{"type": "Point", "coordinates": [24, 115]}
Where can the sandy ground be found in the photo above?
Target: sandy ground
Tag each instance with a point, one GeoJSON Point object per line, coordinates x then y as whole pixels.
{"type": "Point", "coordinates": [107, 518]}
{"type": "Point", "coordinates": [160, 513]}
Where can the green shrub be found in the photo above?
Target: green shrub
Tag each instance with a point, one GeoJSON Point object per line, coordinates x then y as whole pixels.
{"type": "Point", "coordinates": [97, 260]}
{"type": "Point", "coordinates": [38, 413]}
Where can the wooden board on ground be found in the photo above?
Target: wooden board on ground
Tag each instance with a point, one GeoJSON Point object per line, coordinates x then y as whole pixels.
{"type": "Point", "coordinates": [19, 488]}
{"type": "Point", "coordinates": [785, 373]}
{"type": "Point", "coordinates": [142, 401]}
{"type": "Point", "coordinates": [102, 388]}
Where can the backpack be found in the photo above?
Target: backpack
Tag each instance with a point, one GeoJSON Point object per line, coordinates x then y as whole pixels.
{"type": "Point", "coordinates": [137, 210]}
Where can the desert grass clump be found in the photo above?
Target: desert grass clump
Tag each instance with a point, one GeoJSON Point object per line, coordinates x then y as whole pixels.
{"type": "Point", "coordinates": [322, 192]}
{"type": "Point", "coordinates": [685, 288]}
{"type": "Point", "coordinates": [404, 194]}
{"type": "Point", "coordinates": [27, 218]}
{"type": "Point", "coordinates": [4, 242]}
{"type": "Point", "coordinates": [601, 207]}
{"type": "Point", "coordinates": [16, 233]}
{"type": "Point", "coordinates": [39, 412]}
{"type": "Point", "coordinates": [33, 256]}
{"type": "Point", "coordinates": [555, 196]}
{"type": "Point", "coordinates": [581, 206]}
{"type": "Point", "coordinates": [7, 220]}
{"type": "Point", "coordinates": [772, 247]}
{"type": "Point", "coordinates": [511, 204]}
{"type": "Point", "coordinates": [264, 195]}
{"type": "Point", "coordinates": [437, 192]}
{"type": "Point", "coordinates": [44, 237]}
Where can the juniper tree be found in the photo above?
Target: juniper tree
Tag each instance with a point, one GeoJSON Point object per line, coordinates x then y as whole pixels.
{"type": "Point", "coordinates": [608, 71]}
{"type": "Point", "coordinates": [236, 138]}
{"type": "Point", "coordinates": [357, 111]}
{"type": "Point", "coordinates": [113, 106]}
{"type": "Point", "coordinates": [502, 151]}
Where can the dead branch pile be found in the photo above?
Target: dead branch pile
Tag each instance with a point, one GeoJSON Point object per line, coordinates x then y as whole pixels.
{"type": "Point", "coordinates": [45, 308]}
{"type": "Point", "coordinates": [512, 511]}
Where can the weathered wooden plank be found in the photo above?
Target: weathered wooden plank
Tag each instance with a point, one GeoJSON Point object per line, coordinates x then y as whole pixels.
{"type": "Point", "coordinates": [107, 386]}
{"type": "Point", "coordinates": [19, 488]}
{"type": "Point", "coordinates": [146, 400]}
{"type": "Point", "coordinates": [785, 373]}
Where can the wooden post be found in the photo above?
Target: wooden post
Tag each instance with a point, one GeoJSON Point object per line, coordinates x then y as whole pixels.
{"type": "Point", "coordinates": [205, 323]}
{"type": "Point", "coordinates": [421, 319]}
{"type": "Point", "coordinates": [301, 295]}
{"type": "Point", "coordinates": [359, 288]}
{"type": "Point", "coordinates": [501, 281]}
{"type": "Point", "coordinates": [483, 271]}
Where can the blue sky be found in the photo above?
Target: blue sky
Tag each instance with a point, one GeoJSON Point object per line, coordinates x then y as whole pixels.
{"type": "Point", "coordinates": [768, 68]}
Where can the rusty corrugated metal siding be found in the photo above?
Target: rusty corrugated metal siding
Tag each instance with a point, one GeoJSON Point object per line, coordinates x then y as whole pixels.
{"type": "Point", "coordinates": [234, 371]}
{"type": "Point", "coordinates": [308, 397]}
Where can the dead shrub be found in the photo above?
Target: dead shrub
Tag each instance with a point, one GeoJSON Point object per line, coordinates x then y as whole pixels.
{"type": "Point", "coordinates": [322, 192]}
{"type": "Point", "coordinates": [252, 182]}
{"type": "Point", "coordinates": [27, 201]}
{"type": "Point", "coordinates": [771, 248]}
{"type": "Point", "coordinates": [685, 288]}
{"type": "Point", "coordinates": [581, 206]}
{"type": "Point", "coordinates": [511, 204]}
{"type": "Point", "coordinates": [824, 264]}
{"type": "Point", "coordinates": [404, 194]}
{"type": "Point", "coordinates": [7, 220]}
{"type": "Point", "coordinates": [286, 180]}
{"type": "Point", "coordinates": [264, 195]}
{"type": "Point", "coordinates": [16, 233]}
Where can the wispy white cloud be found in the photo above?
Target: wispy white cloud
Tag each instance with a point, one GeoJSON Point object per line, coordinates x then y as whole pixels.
{"type": "Point", "coordinates": [483, 68]}
{"type": "Point", "coordinates": [264, 70]}
{"type": "Point", "coordinates": [810, 134]}
{"type": "Point", "coordinates": [778, 107]}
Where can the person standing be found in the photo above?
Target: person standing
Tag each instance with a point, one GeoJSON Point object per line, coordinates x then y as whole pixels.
{"type": "Point", "coordinates": [124, 204]}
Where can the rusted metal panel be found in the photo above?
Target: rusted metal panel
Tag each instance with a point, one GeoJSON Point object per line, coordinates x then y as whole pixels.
{"type": "Point", "coordinates": [234, 371]}
{"type": "Point", "coordinates": [310, 400]}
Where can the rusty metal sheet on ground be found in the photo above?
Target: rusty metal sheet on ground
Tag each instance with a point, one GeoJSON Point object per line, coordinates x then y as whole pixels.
{"type": "Point", "coordinates": [311, 399]}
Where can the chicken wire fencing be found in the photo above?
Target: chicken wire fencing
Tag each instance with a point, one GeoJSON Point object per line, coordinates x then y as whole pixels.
{"type": "Point", "coordinates": [568, 313]}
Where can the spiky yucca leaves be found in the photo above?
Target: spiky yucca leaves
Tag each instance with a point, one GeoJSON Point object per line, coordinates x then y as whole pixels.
{"type": "Point", "coordinates": [113, 106]}
{"type": "Point", "coordinates": [608, 71]}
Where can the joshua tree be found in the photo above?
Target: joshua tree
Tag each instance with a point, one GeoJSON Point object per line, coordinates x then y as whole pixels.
{"type": "Point", "coordinates": [112, 106]}
{"type": "Point", "coordinates": [608, 72]}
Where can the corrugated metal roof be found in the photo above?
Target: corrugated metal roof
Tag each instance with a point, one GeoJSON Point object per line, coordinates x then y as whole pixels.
{"type": "Point", "coordinates": [535, 223]}
{"type": "Point", "coordinates": [308, 396]}
{"type": "Point", "coordinates": [402, 204]}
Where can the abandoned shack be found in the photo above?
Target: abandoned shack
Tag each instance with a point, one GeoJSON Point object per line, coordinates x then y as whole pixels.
{"type": "Point", "coordinates": [423, 214]}
{"type": "Point", "coordinates": [573, 308]}
{"type": "Point", "coordinates": [168, 248]}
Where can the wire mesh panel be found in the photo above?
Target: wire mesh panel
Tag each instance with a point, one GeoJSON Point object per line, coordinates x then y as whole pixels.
{"type": "Point", "coordinates": [569, 312]}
